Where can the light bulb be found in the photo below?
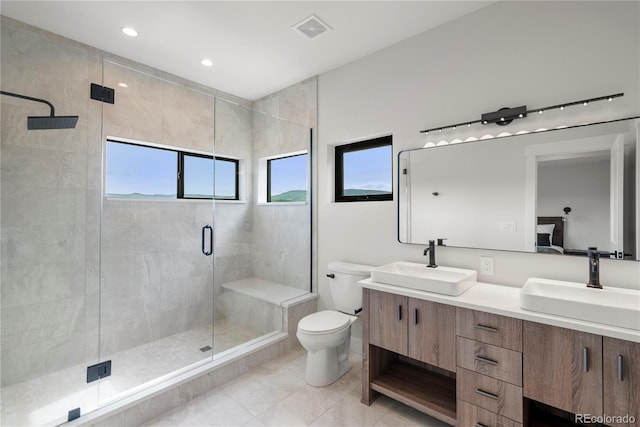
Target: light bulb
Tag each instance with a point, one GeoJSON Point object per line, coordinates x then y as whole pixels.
{"type": "Point", "coordinates": [129, 31]}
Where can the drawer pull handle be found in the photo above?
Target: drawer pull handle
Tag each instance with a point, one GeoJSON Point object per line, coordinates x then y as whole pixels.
{"type": "Point", "coordinates": [399, 312]}
{"type": "Point", "coordinates": [487, 394]}
{"type": "Point", "coordinates": [487, 360]}
{"type": "Point", "coordinates": [486, 328]}
{"type": "Point", "coordinates": [585, 359]}
{"type": "Point", "coordinates": [620, 368]}
{"type": "Point", "coordinates": [415, 316]}
{"type": "Point", "coordinates": [480, 425]}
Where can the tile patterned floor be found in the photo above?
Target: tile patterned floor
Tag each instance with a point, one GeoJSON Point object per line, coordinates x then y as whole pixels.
{"type": "Point", "coordinates": [45, 400]}
{"type": "Point", "coordinates": [276, 395]}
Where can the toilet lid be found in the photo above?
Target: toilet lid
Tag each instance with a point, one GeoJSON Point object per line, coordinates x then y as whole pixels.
{"type": "Point", "coordinates": [324, 321]}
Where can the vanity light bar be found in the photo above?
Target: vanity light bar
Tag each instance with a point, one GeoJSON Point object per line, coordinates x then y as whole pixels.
{"type": "Point", "coordinates": [505, 116]}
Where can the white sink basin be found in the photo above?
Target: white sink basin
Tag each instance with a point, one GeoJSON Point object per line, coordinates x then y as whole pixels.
{"type": "Point", "coordinates": [610, 306]}
{"type": "Point", "coordinates": [441, 280]}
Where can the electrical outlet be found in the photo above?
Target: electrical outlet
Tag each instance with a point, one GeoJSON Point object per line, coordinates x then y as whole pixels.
{"type": "Point", "coordinates": [509, 226]}
{"type": "Point", "coordinates": [486, 266]}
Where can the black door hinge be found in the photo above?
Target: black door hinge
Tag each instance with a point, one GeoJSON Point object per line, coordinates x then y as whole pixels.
{"type": "Point", "coordinates": [103, 93]}
{"type": "Point", "coordinates": [100, 370]}
{"type": "Point", "coordinates": [73, 414]}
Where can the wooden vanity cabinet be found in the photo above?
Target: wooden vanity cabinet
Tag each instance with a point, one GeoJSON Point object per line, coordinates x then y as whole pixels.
{"type": "Point", "coordinates": [412, 348]}
{"type": "Point", "coordinates": [563, 368]}
{"type": "Point", "coordinates": [421, 330]}
{"type": "Point", "coordinates": [409, 353]}
{"type": "Point", "coordinates": [489, 376]}
{"type": "Point", "coordinates": [621, 379]}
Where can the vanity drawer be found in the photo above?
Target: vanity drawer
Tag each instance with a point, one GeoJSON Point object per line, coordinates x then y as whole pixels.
{"type": "Point", "coordinates": [472, 416]}
{"type": "Point", "coordinates": [489, 328]}
{"type": "Point", "coordinates": [494, 395]}
{"type": "Point", "coordinates": [487, 359]}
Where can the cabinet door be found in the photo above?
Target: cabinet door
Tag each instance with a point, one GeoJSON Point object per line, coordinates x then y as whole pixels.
{"type": "Point", "coordinates": [432, 333]}
{"type": "Point", "coordinates": [621, 371]}
{"type": "Point", "coordinates": [562, 368]}
{"type": "Point", "coordinates": [388, 321]}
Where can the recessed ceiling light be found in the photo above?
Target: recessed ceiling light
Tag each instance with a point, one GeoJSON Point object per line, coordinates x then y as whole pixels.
{"type": "Point", "coordinates": [129, 31]}
{"type": "Point", "coordinates": [207, 62]}
{"type": "Point", "coordinates": [123, 85]}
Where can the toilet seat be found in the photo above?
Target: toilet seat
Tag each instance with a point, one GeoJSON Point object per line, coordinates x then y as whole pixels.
{"type": "Point", "coordinates": [324, 322]}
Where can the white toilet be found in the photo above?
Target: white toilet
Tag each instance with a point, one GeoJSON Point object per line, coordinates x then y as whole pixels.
{"type": "Point", "coordinates": [326, 334]}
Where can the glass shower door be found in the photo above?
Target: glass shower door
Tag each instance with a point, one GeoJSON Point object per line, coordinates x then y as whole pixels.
{"type": "Point", "coordinates": [156, 268]}
{"type": "Point", "coordinates": [263, 237]}
{"type": "Point", "coordinates": [49, 227]}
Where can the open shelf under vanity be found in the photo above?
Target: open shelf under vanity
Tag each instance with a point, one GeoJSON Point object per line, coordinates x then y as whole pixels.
{"type": "Point", "coordinates": [420, 386]}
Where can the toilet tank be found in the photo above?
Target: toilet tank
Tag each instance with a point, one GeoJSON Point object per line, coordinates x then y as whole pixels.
{"type": "Point", "coordinates": [345, 291]}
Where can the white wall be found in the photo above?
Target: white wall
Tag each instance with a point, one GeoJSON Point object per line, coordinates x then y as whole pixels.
{"type": "Point", "coordinates": [508, 54]}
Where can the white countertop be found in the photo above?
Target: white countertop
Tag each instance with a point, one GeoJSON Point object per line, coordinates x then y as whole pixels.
{"type": "Point", "coordinates": [505, 301]}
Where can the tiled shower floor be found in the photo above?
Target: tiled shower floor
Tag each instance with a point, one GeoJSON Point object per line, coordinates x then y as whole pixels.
{"type": "Point", "coordinates": [46, 400]}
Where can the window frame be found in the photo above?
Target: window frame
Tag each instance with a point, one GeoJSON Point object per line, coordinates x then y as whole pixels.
{"type": "Point", "coordinates": [268, 177]}
{"type": "Point", "coordinates": [180, 154]}
{"type": "Point", "coordinates": [180, 179]}
{"type": "Point", "coordinates": [368, 144]}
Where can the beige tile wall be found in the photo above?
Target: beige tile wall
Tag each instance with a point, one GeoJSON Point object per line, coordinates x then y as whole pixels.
{"type": "Point", "coordinates": [45, 196]}
{"type": "Point", "coordinates": [282, 234]}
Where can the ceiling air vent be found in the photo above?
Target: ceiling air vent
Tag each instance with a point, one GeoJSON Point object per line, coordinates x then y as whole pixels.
{"type": "Point", "coordinates": [311, 27]}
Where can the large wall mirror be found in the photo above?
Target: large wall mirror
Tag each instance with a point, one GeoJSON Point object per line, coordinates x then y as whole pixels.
{"type": "Point", "coordinates": [558, 192]}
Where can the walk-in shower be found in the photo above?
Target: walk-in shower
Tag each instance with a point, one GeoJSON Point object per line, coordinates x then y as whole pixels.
{"type": "Point", "coordinates": [103, 272]}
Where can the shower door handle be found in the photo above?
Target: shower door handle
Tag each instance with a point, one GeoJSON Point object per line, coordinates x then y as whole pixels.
{"type": "Point", "coordinates": [204, 233]}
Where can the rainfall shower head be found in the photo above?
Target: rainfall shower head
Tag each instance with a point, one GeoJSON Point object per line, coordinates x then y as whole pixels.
{"type": "Point", "coordinates": [51, 122]}
{"type": "Point", "coordinates": [45, 122]}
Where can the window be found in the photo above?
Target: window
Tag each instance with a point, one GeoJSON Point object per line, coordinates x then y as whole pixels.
{"type": "Point", "coordinates": [364, 170]}
{"type": "Point", "coordinates": [197, 177]}
{"type": "Point", "coordinates": [287, 179]}
{"type": "Point", "coordinates": [226, 179]}
{"type": "Point", "coordinates": [139, 171]}
{"type": "Point", "coordinates": [127, 178]}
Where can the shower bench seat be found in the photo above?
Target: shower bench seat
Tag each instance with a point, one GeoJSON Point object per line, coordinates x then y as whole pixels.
{"type": "Point", "coordinates": [264, 306]}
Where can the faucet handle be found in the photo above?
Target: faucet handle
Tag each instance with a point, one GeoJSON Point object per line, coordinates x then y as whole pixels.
{"type": "Point", "coordinates": [441, 242]}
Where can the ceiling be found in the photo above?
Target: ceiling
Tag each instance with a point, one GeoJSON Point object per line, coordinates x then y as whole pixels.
{"type": "Point", "coordinates": [252, 45]}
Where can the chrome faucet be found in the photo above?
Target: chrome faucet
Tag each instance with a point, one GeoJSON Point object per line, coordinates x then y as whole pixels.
{"type": "Point", "coordinates": [594, 268]}
{"type": "Point", "coordinates": [431, 250]}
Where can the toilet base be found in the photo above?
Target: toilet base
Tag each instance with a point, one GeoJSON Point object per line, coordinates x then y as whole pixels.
{"type": "Point", "coordinates": [325, 367]}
